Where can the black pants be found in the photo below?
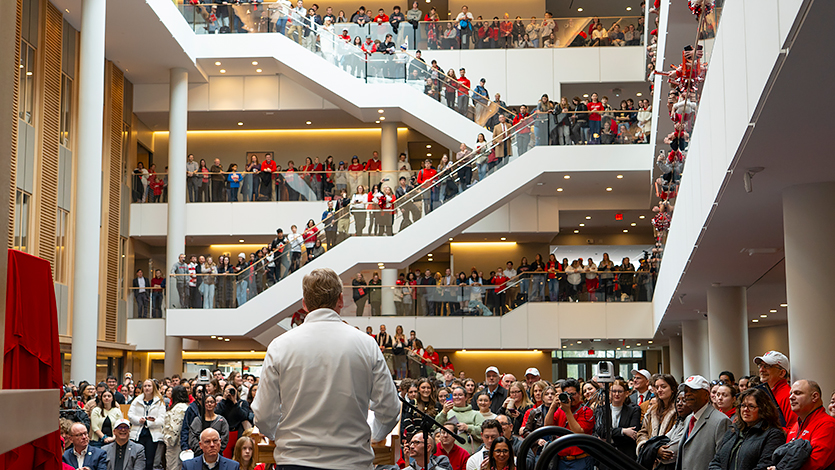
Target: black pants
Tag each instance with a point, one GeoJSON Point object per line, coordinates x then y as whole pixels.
{"type": "Point", "coordinates": [150, 448]}
{"type": "Point", "coordinates": [195, 298]}
{"type": "Point", "coordinates": [141, 304]}
{"type": "Point", "coordinates": [296, 262]}
{"type": "Point", "coordinates": [217, 191]}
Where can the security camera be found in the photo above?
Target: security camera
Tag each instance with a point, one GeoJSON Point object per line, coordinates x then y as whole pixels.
{"type": "Point", "coordinates": [605, 372]}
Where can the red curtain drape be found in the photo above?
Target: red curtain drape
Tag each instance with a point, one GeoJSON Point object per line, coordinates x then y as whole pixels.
{"type": "Point", "coordinates": [31, 357]}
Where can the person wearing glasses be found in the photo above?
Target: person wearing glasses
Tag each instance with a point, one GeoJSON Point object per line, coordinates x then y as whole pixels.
{"type": "Point", "coordinates": [773, 368]}
{"type": "Point", "coordinates": [755, 436]}
{"type": "Point", "coordinates": [626, 419]}
{"type": "Point", "coordinates": [417, 455]}
{"type": "Point", "coordinates": [501, 455]}
{"type": "Point", "coordinates": [81, 454]}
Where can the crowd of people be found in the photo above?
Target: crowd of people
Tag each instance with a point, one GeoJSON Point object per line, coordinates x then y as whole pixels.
{"type": "Point", "coordinates": [411, 27]}
{"type": "Point", "coordinates": [435, 294]}
{"type": "Point", "coordinates": [761, 422]}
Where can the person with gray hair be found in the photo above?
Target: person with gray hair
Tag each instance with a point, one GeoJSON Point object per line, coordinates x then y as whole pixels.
{"type": "Point", "coordinates": [318, 367]}
{"type": "Point", "coordinates": [210, 444]}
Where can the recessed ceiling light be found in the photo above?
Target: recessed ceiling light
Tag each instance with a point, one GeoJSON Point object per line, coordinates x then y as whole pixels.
{"type": "Point", "coordinates": [382, 118]}
{"type": "Point", "coordinates": [582, 225]}
{"type": "Point", "coordinates": [620, 177]}
{"type": "Point", "coordinates": [380, 111]}
{"type": "Point", "coordinates": [580, 9]}
{"type": "Point", "coordinates": [608, 189]}
{"type": "Point", "coordinates": [308, 123]}
{"type": "Point", "coordinates": [450, 238]}
{"type": "Point", "coordinates": [429, 146]}
{"type": "Point", "coordinates": [559, 190]}
{"type": "Point", "coordinates": [564, 347]}
{"type": "Point", "coordinates": [217, 63]}
{"type": "Point", "coordinates": [633, 224]}
{"type": "Point", "coordinates": [763, 315]}
{"type": "Point", "coordinates": [240, 123]}
{"type": "Point", "coordinates": [627, 347]}
{"type": "Point", "coordinates": [29, 74]}
{"type": "Point", "coordinates": [222, 70]}
{"type": "Point", "coordinates": [376, 122]}
{"type": "Point", "coordinates": [579, 342]}
{"type": "Point", "coordinates": [258, 70]}
{"type": "Point", "coordinates": [650, 342]}
{"type": "Point", "coordinates": [637, 344]}
{"type": "Point", "coordinates": [625, 230]}
{"type": "Point", "coordinates": [566, 177]}
{"type": "Point", "coordinates": [755, 321]}
{"type": "Point", "coordinates": [618, 349]}
{"type": "Point", "coordinates": [772, 311]}
{"type": "Point", "coordinates": [220, 337]}
{"type": "Point", "coordinates": [504, 238]}
{"type": "Point", "coordinates": [428, 154]}
{"type": "Point", "coordinates": [642, 217]}
{"type": "Point", "coordinates": [214, 337]}
{"type": "Point", "coordinates": [588, 217]}
{"type": "Point", "coordinates": [639, 94]}
{"type": "Point", "coordinates": [241, 240]}
{"type": "Point", "coordinates": [576, 231]}
{"type": "Point", "coordinates": [252, 350]}
{"type": "Point", "coordinates": [66, 10]}
{"type": "Point", "coordinates": [225, 339]}
{"type": "Point", "coordinates": [628, 8]}
{"type": "Point", "coordinates": [254, 62]}
{"type": "Point", "coordinates": [586, 95]}
{"type": "Point", "coordinates": [784, 305]}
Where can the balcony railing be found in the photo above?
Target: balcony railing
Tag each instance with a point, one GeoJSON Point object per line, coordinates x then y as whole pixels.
{"type": "Point", "coordinates": [207, 18]}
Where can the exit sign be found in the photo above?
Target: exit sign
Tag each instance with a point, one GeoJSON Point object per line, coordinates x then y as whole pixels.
{"type": "Point", "coordinates": [618, 216]}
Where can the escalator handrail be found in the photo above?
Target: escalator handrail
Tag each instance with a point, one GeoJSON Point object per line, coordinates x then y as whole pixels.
{"type": "Point", "coordinates": [530, 440]}
{"type": "Point", "coordinates": [604, 452]}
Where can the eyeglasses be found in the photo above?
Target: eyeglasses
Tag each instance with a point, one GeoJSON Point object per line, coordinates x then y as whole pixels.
{"type": "Point", "coordinates": [745, 406]}
{"type": "Point", "coordinates": [501, 451]}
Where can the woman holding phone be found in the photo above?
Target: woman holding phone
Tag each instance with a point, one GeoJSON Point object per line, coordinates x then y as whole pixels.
{"type": "Point", "coordinates": [147, 417]}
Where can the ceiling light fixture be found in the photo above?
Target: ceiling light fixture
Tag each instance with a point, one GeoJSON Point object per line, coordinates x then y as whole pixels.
{"type": "Point", "coordinates": [620, 177]}
{"type": "Point", "coordinates": [639, 94]}
{"type": "Point", "coordinates": [308, 123]}
{"type": "Point", "coordinates": [380, 111]}
{"type": "Point", "coordinates": [586, 95]}
{"type": "Point", "coordinates": [763, 315]}
{"type": "Point", "coordinates": [582, 225]}
{"type": "Point", "coordinates": [784, 305]}
{"type": "Point", "coordinates": [258, 70]}
{"type": "Point", "coordinates": [214, 337]}
{"type": "Point", "coordinates": [241, 240]}
{"type": "Point", "coordinates": [225, 339]}
{"type": "Point", "coordinates": [609, 189]}
{"type": "Point", "coordinates": [382, 118]}
{"type": "Point", "coordinates": [580, 9]}
{"type": "Point", "coordinates": [217, 63]}
{"type": "Point", "coordinates": [650, 342]}
{"type": "Point", "coordinates": [254, 62]}
{"type": "Point", "coordinates": [376, 122]}
{"type": "Point", "coordinates": [628, 8]}
{"type": "Point", "coordinates": [559, 190]}
{"type": "Point", "coordinates": [450, 238]}
{"type": "Point", "coordinates": [222, 70]}
{"type": "Point", "coordinates": [576, 231]}
{"type": "Point", "coordinates": [625, 230]}
{"type": "Point", "coordinates": [633, 224]}
{"type": "Point", "coordinates": [428, 154]}
{"type": "Point", "coordinates": [429, 146]}
{"type": "Point", "coordinates": [588, 217]}
{"type": "Point", "coordinates": [773, 311]}
{"type": "Point", "coordinates": [566, 177]}
{"type": "Point", "coordinates": [755, 321]}
{"type": "Point", "coordinates": [503, 238]}
{"type": "Point", "coordinates": [642, 217]}
{"type": "Point", "coordinates": [240, 123]}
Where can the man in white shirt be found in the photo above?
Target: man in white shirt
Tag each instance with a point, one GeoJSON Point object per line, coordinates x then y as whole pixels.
{"type": "Point", "coordinates": [491, 429]}
{"type": "Point", "coordinates": [81, 455]}
{"type": "Point", "coordinates": [465, 25]}
{"type": "Point", "coordinates": [140, 294]}
{"type": "Point", "coordinates": [318, 382]}
{"type": "Point", "coordinates": [295, 240]}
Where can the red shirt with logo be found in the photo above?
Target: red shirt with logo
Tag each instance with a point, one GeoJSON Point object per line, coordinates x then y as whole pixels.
{"type": "Point", "coordinates": [819, 429]}
{"type": "Point", "coordinates": [585, 418]}
{"type": "Point", "coordinates": [595, 107]}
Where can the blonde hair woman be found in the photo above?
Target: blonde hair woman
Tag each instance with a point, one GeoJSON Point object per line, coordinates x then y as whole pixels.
{"type": "Point", "coordinates": [147, 417]}
{"type": "Point", "coordinates": [516, 405]}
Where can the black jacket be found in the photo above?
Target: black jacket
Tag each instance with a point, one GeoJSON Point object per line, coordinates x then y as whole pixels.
{"type": "Point", "coordinates": [748, 450]}
{"type": "Point", "coordinates": [630, 417]}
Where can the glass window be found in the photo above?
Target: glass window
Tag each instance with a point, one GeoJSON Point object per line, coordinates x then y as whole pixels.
{"type": "Point", "coordinates": [61, 228]}
{"type": "Point", "coordinates": [626, 368]}
{"type": "Point", "coordinates": [577, 371]}
{"type": "Point", "coordinates": [21, 226]}
{"type": "Point", "coordinates": [192, 368]}
{"type": "Point", "coordinates": [66, 110]}
{"type": "Point", "coordinates": [228, 366]}
{"type": "Point", "coordinates": [26, 82]}
{"type": "Point", "coordinates": [123, 267]}
{"type": "Point", "coordinates": [253, 367]}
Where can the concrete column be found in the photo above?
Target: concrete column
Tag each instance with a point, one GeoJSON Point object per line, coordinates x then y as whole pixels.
{"type": "Point", "coordinates": [809, 228]}
{"type": "Point", "coordinates": [388, 153]}
{"type": "Point", "coordinates": [176, 240]}
{"type": "Point", "coordinates": [694, 346]}
{"type": "Point", "coordinates": [85, 307]}
{"type": "Point", "coordinates": [727, 330]}
{"type": "Point", "coordinates": [676, 359]}
{"type": "Point", "coordinates": [389, 278]}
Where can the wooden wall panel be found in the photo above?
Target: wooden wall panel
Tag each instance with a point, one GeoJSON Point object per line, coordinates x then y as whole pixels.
{"type": "Point", "coordinates": [111, 190]}
{"type": "Point", "coordinates": [13, 110]}
{"type": "Point", "coordinates": [46, 198]}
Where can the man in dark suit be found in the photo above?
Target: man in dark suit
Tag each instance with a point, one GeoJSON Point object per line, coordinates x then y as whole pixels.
{"type": "Point", "coordinates": [140, 294]}
{"type": "Point", "coordinates": [211, 458]}
{"type": "Point", "coordinates": [82, 455]}
{"type": "Point", "coordinates": [124, 454]}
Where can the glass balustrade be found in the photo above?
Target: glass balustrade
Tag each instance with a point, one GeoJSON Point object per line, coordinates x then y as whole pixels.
{"type": "Point", "coordinates": [147, 302]}
{"type": "Point", "coordinates": [519, 33]}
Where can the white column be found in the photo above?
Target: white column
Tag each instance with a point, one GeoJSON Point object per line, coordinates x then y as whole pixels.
{"type": "Point", "coordinates": [676, 359]}
{"type": "Point", "coordinates": [389, 278]}
{"type": "Point", "coordinates": [809, 228]}
{"type": "Point", "coordinates": [727, 330]}
{"type": "Point", "coordinates": [694, 347]}
{"type": "Point", "coordinates": [85, 307]}
{"type": "Point", "coordinates": [176, 240]}
{"type": "Point", "coordinates": [388, 153]}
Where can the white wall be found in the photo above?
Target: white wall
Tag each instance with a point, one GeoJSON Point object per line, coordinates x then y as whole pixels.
{"type": "Point", "coordinates": [531, 326]}
{"type": "Point", "coordinates": [742, 60]}
{"type": "Point", "coordinates": [524, 214]}
{"type": "Point", "coordinates": [225, 218]}
{"type": "Point", "coordinates": [522, 76]}
{"type": "Point", "coordinates": [148, 334]}
{"type": "Point", "coordinates": [767, 338]}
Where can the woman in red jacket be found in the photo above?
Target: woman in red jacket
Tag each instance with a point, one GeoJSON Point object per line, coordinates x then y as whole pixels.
{"type": "Point", "coordinates": [386, 202]}
{"type": "Point", "coordinates": [309, 236]}
{"type": "Point", "coordinates": [425, 178]}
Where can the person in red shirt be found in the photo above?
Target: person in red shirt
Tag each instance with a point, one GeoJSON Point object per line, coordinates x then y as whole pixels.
{"type": "Point", "coordinates": [594, 117]}
{"type": "Point", "coordinates": [506, 33]}
{"type": "Point", "coordinates": [425, 178]}
{"type": "Point", "coordinates": [463, 92]}
{"type": "Point", "coordinates": [574, 416]}
{"type": "Point", "coordinates": [500, 280]}
{"type": "Point", "coordinates": [773, 369]}
{"type": "Point", "coordinates": [813, 425]}
{"type": "Point", "coordinates": [267, 169]}
{"type": "Point", "coordinates": [381, 17]}
{"type": "Point", "coordinates": [457, 455]}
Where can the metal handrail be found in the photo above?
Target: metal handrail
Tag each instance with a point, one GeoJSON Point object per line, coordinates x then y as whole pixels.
{"type": "Point", "coordinates": [602, 451]}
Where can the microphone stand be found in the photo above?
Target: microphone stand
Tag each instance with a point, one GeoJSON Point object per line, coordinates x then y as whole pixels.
{"type": "Point", "coordinates": [426, 423]}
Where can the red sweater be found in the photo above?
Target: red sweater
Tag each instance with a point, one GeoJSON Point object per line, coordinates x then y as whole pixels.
{"type": "Point", "coordinates": [374, 165]}
{"type": "Point", "coordinates": [595, 107]}
{"type": "Point", "coordinates": [464, 89]}
{"type": "Point", "coordinates": [426, 175]}
{"type": "Point", "coordinates": [457, 458]}
{"type": "Point", "coordinates": [781, 393]}
{"type": "Point", "coordinates": [268, 164]}
{"type": "Point", "coordinates": [585, 418]}
{"type": "Point", "coordinates": [819, 429]}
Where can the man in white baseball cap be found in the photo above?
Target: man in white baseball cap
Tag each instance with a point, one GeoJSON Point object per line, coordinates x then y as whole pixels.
{"type": "Point", "coordinates": [705, 426]}
{"type": "Point", "coordinates": [496, 392]}
{"type": "Point", "coordinates": [640, 382]}
{"type": "Point", "coordinates": [531, 376]}
{"type": "Point", "coordinates": [122, 453]}
{"type": "Point", "coordinates": [773, 368]}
